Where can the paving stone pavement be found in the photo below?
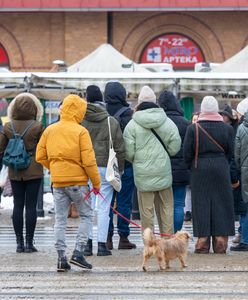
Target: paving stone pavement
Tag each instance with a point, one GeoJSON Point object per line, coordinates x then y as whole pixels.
{"type": "Point", "coordinates": [34, 276]}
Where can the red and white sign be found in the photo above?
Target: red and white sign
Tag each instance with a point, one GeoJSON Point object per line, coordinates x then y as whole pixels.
{"type": "Point", "coordinates": [4, 60]}
{"type": "Point", "coordinates": [175, 49]}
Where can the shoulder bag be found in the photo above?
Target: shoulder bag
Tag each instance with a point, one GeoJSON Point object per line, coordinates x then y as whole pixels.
{"type": "Point", "coordinates": [112, 171]}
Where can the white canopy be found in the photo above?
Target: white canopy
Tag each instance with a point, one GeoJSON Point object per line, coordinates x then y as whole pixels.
{"type": "Point", "coordinates": [236, 64]}
{"type": "Point", "coordinates": [55, 86]}
{"type": "Point", "coordinates": [106, 59]}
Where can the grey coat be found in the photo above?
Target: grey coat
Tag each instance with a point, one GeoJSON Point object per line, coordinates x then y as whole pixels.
{"type": "Point", "coordinates": [241, 155]}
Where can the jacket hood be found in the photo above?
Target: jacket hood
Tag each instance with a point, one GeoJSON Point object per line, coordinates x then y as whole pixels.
{"type": "Point", "coordinates": [25, 106]}
{"type": "Point", "coordinates": [169, 102]}
{"type": "Point", "coordinates": [150, 118]}
{"type": "Point", "coordinates": [245, 120]}
{"type": "Point", "coordinates": [73, 108]}
{"type": "Point", "coordinates": [95, 113]}
{"type": "Point", "coordinates": [115, 93]}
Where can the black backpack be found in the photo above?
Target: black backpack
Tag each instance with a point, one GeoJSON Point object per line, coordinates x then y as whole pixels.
{"type": "Point", "coordinates": [15, 155]}
{"type": "Point", "coordinates": [118, 114]}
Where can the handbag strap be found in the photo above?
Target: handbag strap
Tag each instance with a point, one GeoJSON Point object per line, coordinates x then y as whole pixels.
{"type": "Point", "coordinates": [197, 126]}
{"type": "Point", "coordinates": [159, 138]}
{"type": "Point", "coordinates": [110, 136]}
{"type": "Point", "coordinates": [196, 145]}
{"type": "Point", "coordinates": [210, 137]}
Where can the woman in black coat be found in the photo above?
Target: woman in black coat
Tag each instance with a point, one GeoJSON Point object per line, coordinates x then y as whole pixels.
{"type": "Point", "coordinates": [208, 149]}
{"type": "Point", "coordinates": [180, 171]}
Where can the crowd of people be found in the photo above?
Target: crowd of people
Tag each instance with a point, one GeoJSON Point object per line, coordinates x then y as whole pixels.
{"type": "Point", "coordinates": [158, 151]}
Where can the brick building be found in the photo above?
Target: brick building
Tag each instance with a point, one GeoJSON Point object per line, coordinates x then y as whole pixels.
{"type": "Point", "coordinates": [34, 33]}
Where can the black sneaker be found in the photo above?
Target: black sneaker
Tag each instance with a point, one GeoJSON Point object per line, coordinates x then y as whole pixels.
{"type": "Point", "coordinates": [78, 259]}
{"type": "Point", "coordinates": [63, 265]}
{"type": "Point", "coordinates": [239, 247]}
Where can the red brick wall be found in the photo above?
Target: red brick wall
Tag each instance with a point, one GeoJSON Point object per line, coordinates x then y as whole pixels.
{"type": "Point", "coordinates": [34, 40]}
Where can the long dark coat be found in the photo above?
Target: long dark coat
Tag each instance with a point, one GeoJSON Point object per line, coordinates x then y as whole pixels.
{"type": "Point", "coordinates": [212, 199]}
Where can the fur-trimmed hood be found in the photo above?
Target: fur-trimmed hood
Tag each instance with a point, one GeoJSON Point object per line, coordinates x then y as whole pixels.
{"type": "Point", "coordinates": [25, 106]}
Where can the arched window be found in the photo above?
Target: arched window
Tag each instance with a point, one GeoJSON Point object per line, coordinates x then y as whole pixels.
{"type": "Point", "coordinates": [174, 48]}
{"type": "Point", "coordinates": [4, 59]}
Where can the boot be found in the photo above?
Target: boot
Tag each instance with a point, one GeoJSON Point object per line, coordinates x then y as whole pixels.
{"type": "Point", "coordinates": [109, 243]}
{"type": "Point", "coordinates": [62, 265]}
{"type": "Point", "coordinates": [124, 243]}
{"type": "Point", "coordinates": [103, 250]}
{"type": "Point", "coordinates": [20, 244]}
{"type": "Point", "coordinates": [187, 216]}
{"type": "Point", "coordinates": [78, 259]}
{"type": "Point", "coordinates": [202, 245]}
{"type": "Point", "coordinates": [88, 248]}
{"type": "Point", "coordinates": [219, 244]}
{"type": "Point", "coordinates": [73, 213]}
{"type": "Point", "coordinates": [29, 246]}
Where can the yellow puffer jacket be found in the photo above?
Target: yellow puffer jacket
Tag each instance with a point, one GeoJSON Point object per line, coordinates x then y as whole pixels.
{"type": "Point", "coordinates": [65, 148]}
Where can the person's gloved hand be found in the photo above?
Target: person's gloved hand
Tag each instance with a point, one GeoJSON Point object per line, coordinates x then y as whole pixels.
{"type": "Point", "coordinates": [96, 191]}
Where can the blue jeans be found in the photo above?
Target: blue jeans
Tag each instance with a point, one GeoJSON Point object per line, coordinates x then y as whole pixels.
{"type": "Point", "coordinates": [244, 229]}
{"type": "Point", "coordinates": [241, 222]}
{"type": "Point", "coordinates": [124, 204]}
{"type": "Point", "coordinates": [179, 193]}
{"type": "Point", "coordinates": [102, 208]}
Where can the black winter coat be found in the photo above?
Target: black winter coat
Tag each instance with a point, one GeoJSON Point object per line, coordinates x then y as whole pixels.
{"type": "Point", "coordinates": [173, 110]}
{"type": "Point", "coordinates": [212, 198]}
{"type": "Point", "coordinates": [115, 98]}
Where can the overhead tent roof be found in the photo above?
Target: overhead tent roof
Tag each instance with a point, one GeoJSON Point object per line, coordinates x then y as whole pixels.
{"type": "Point", "coordinates": [55, 86]}
{"type": "Point", "coordinates": [106, 59]}
{"type": "Point", "coordinates": [122, 5]}
{"type": "Point", "coordinates": [236, 64]}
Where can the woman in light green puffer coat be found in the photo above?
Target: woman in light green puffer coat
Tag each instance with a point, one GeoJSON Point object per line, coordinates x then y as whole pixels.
{"type": "Point", "coordinates": [151, 162]}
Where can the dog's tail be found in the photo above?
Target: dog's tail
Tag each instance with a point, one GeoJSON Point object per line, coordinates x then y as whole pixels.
{"type": "Point", "coordinates": [148, 237]}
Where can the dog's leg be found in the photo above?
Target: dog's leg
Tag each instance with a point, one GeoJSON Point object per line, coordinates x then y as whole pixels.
{"type": "Point", "coordinates": [146, 257]}
{"type": "Point", "coordinates": [167, 264]}
{"type": "Point", "coordinates": [181, 258]}
{"type": "Point", "coordinates": [160, 262]}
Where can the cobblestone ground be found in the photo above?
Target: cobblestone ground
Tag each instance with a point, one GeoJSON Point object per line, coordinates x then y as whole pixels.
{"type": "Point", "coordinates": [34, 276]}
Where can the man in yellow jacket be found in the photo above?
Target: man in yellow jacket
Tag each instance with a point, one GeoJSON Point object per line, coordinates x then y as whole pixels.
{"type": "Point", "coordinates": [65, 148]}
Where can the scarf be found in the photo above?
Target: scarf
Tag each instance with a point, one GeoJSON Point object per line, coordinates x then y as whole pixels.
{"type": "Point", "coordinates": [210, 117]}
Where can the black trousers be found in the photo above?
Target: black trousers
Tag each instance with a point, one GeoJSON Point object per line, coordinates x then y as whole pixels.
{"type": "Point", "coordinates": [25, 195]}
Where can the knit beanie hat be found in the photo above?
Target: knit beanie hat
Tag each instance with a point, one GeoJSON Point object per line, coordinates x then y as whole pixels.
{"type": "Point", "coordinates": [242, 107]}
{"type": "Point", "coordinates": [93, 94]}
{"type": "Point", "coordinates": [146, 95]}
{"type": "Point", "coordinates": [227, 111]}
{"type": "Point", "coordinates": [209, 105]}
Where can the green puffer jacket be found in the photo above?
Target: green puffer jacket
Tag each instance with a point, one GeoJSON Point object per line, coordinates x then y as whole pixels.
{"type": "Point", "coordinates": [151, 163]}
{"type": "Point", "coordinates": [241, 155]}
{"type": "Point", "coordinates": [96, 121]}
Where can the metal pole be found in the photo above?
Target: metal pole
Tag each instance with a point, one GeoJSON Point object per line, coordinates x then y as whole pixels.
{"type": "Point", "coordinates": [135, 206]}
{"type": "Point", "coordinates": [109, 27]}
{"type": "Point", "coordinates": [40, 210]}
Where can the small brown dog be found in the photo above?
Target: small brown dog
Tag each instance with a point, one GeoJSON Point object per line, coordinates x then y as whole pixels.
{"type": "Point", "coordinates": [165, 250]}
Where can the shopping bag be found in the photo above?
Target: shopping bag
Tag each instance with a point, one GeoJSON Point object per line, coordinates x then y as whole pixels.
{"type": "Point", "coordinates": [3, 176]}
{"type": "Point", "coordinates": [112, 172]}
